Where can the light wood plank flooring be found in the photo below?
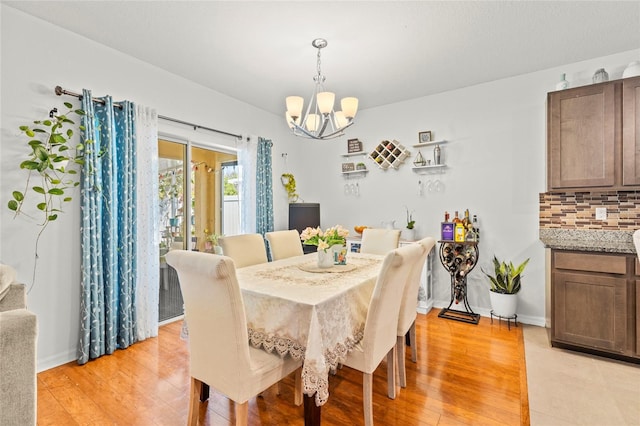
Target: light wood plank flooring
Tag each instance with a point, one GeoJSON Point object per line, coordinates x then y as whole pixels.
{"type": "Point", "coordinates": [466, 374]}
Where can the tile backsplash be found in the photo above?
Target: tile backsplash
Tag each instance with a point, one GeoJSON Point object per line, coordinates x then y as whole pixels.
{"type": "Point", "coordinates": [577, 210]}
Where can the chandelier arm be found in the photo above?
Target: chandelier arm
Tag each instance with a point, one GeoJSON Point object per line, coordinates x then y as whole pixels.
{"type": "Point", "coordinates": [325, 121]}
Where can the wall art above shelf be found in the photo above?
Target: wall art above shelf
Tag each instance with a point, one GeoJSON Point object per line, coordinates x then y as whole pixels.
{"type": "Point", "coordinates": [418, 145]}
{"type": "Point", "coordinates": [389, 154]}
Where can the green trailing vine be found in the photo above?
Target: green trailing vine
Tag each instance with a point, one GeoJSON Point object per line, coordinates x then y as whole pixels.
{"type": "Point", "coordinates": [289, 183]}
{"type": "Point", "coordinates": [52, 164]}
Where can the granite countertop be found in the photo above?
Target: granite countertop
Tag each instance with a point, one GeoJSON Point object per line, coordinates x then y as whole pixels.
{"type": "Point", "coordinates": [607, 241]}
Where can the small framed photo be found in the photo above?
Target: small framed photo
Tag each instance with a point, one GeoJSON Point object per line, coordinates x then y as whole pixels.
{"type": "Point", "coordinates": [424, 137]}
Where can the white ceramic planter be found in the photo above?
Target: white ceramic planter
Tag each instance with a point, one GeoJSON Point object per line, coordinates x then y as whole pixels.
{"type": "Point", "coordinates": [504, 305]}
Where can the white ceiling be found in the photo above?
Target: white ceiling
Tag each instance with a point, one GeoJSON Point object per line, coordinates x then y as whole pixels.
{"type": "Point", "coordinates": [381, 51]}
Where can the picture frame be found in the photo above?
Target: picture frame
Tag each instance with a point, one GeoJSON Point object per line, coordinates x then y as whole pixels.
{"type": "Point", "coordinates": [424, 137]}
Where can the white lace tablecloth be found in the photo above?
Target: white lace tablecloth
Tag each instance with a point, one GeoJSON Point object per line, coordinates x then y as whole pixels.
{"type": "Point", "coordinates": [318, 317]}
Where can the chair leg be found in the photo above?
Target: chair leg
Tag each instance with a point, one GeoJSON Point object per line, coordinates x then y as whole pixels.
{"type": "Point", "coordinates": [297, 398]}
{"type": "Point", "coordinates": [391, 372]}
{"type": "Point", "coordinates": [402, 373]}
{"type": "Point", "coordinates": [414, 342]}
{"type": "Point", "coordinates": [242, 413]}
{"type": "Point", "coordinates": [367, 398]}
{"type": "Point", "coordinates": [194, 402]}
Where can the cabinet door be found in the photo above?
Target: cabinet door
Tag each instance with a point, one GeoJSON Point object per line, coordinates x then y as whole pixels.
{"type": "Point", "coordinates": [631, 131]}
{"type": "Point", "coordinates": [590, 310]}
{"type": "Point", "coordinates": [581, 137]}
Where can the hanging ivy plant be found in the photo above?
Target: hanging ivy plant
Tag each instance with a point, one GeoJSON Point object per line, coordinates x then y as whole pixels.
{"type": "Point", "coordinates": [289, 183]}
{"type": "Point", "coordinates": [52, 164]}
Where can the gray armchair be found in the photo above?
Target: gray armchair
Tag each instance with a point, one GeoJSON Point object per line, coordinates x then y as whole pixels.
{"type": "Point", "coordinates": [18, 334]}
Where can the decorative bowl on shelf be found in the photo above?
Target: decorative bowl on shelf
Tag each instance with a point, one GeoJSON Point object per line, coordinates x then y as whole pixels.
{"type": "Point", "coordinates": [360, 228]}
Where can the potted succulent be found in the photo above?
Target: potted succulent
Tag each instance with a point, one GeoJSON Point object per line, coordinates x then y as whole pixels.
{"type": "Point", "coordinates": [505, 285]}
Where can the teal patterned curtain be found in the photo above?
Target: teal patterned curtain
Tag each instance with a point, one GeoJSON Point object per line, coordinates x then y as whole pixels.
{"type": "Point", "coordinates": [108, 203]}
{"type": "Point", "coordinates": [264, 188]}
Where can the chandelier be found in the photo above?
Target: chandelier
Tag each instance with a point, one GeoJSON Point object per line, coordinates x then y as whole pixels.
{"type": "Point", "coordinates": [320, 121]}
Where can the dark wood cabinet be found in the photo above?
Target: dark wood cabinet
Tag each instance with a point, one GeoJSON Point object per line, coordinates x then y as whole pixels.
{"type": "Point", "coordinates": [593, 139]}
{"type": "Point", "coordinates": [631, 132]}
{"type": "Point", "coordinates": [594, 299]}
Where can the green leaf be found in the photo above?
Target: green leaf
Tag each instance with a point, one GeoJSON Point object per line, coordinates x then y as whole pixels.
{"type": "Point", "coordinates": [24, 128]}
{"type": "Point", "coordinates": [47, 122]}
{"type": "Point", "coordinates": [55, 181]}
{"type": "Point", "coordinates": [29, 165]}
{"type": "Point", "coordinates": [76, 183]}
{"type": "Point", "coordinates": [29, 133]}
{"type": "Point", "coordinates": [52, 217]}
{"type": "Point", "coordinates": [42, 206]}
{"type": "Point", "coordinates": [80, 112]}
{"type": "Point", "coordinates": [63, 148]}
{"type": "Point", "coordinates": [58, 138]}
{"type": "Point", "coordinates": [56, 191]}
{"type": "Point", "coordinates": [80, 147]}
{"type": "Point", "coordinates": [39, 131]}
{"type": "Point", "coordinates": [38, 189]}
{"type": "Point", "coordinates": [34, 142]}
{"type": "Point", "coordinates": [71, 172]}
{"type": "Point", "coordinates": [68, 105]}
{"type": "Point", "coordinates": [41, 153]}
{"type": "Point", "coordinates": [13, 205]}
{"type": "Point", "coordinates": [69, 133]}
{"type": "Point", "coordinates": [82, 128]}
{"type": "Point", "coordinates": [18, 196]}
{"type": "Point", "coordinates": [66, 199]}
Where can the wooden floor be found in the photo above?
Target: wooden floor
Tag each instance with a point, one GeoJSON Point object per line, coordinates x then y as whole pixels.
{"type": "Point", "coordinates": [466, 374]}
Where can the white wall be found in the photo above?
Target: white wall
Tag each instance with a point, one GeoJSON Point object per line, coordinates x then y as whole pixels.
{"type": "Point", "coordinates": [36, 57]}
{"type": "Point", "coordinates": [496, 161]}
{"type": "Point", "coordinates": [496, 164]}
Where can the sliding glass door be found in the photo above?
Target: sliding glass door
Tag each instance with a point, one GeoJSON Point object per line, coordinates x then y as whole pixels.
{"type": "Point", "coordinates": [193, 183]}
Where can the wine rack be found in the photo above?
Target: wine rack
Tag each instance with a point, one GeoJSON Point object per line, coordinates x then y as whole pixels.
{"type": "Point", "coordinates": [389, 154]}
{"type": "Point", "coordinates": [459, 258]}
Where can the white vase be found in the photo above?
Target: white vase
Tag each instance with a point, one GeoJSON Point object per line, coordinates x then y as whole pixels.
{"type": "Point", "coordinates": [325, 258]}
{"type": "Point", "coordinates": [409, 234]}
{"type": "Point", "coordinates": [503, 305]}
{"type": "Point", "coordinates": [563, 83]}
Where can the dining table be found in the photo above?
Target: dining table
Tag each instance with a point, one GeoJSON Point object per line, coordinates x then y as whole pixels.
{"type": "Point", "coordinates": [295, 308]}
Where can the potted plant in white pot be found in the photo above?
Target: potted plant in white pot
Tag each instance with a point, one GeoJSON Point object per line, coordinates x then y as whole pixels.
{"type": "Point", "coordinates": [505, 285]}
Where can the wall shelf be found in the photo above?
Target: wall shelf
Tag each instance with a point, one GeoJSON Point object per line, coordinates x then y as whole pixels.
{"type": "Point", "coordinates": [355, 172]}
{"type": "Point", "coordinates": [432, 167]}
{"type": "Point", "coordinates": [353, 154]}
{"type": "Point", "coordinates": [418, 145]}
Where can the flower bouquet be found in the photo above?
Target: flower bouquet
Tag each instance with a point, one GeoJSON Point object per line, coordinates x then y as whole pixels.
{"type": "Point", "coordinates": [336, 235]}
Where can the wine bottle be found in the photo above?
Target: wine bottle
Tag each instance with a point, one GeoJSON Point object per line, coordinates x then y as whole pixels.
{"type": "Point", "coordinates": [459, 232]}
{"type": "Point", "coordinates": [456, 219]}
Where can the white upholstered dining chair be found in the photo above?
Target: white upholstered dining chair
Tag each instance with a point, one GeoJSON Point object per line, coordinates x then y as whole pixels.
{"type": "Point", "coordinates": [219, 350]}
{"type": "Point", "coordinates": [381, 324]}
{"type": "Point", "coordinates": [408, 310]}
{"type": "Point", "coordinates": [245, 249]}
{"type": "Point", "coordinates": [284, 244]}
{"type": "Point", "coordinates": [379, 241]}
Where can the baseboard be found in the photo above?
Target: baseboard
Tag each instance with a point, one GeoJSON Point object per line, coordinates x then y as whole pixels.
{"type": "Point", "coordinates": [524, 319]}
{"type": "Point", "coordinates": [56, 360]}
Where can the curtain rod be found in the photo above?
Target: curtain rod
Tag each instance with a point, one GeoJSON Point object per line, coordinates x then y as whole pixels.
{"type": "Point", "coordinates": [60, 91]}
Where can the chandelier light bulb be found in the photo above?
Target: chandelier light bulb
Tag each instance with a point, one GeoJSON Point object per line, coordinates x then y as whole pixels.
{"type": "Point", "coordinates": [312, 122]}
{"type": "Point", "coordinates": [341, 120]}
{"type": "Point", "coordinates": [294, 106]}
{"type": "Point", "coordinates": [325, 102]}
{"type": "Point", "coordinates": [349, 107]}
